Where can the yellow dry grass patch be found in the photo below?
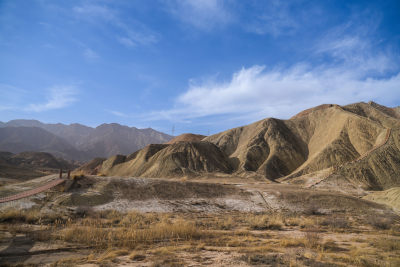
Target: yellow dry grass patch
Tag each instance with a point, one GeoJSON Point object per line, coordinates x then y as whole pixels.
{"type": "Point", "coordinates": [129, 236]}
{"type": "Point", "coordinates": [263, 222]}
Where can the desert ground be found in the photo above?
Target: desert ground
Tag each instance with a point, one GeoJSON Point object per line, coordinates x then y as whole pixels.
{"type": "Point", "coordinates": [126, 221]}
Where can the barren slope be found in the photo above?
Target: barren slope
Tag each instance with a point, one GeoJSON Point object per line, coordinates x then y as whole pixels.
{"type": "Point", "coordinates": [313, 140]}
{"type": "Point", "coordinates": [390, 197]}
{"type": "Point", "coordinates": [183, 158]}
{"type": "Point", "coordinates": [379, 169]}
{"type": "Point", "coordinates": [357, 142]}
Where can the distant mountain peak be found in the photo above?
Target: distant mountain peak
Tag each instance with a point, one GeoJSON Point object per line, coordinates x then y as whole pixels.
{"type": "Point", "coordinates": [103, 141]}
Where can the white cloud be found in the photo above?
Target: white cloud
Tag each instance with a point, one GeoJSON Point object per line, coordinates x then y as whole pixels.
{"type": "Point", "coordinates": [254, 93]}
{"type": "Point", "coordinates": [203, 15]}
{"type": "Point", "coordinates": [59, 97]}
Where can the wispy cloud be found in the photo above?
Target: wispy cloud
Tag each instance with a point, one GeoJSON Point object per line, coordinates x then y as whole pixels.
{"type": "Point", "coordinates": [356, 45]}
{"type": "Point", "coordinates": [134, 38]}
{"type": "Point", "coordinates": [93, 12]}
{"type": "Point", "coordinates": [203, 15]}
{"type": "Point", "coordinates": [274, 18]}
{"type": "Point", "coordinates": [132, 33]}
{"type": "Point", "coordinates": [90, 55]}
{"type": "Point", "coordinates": [126, 41]}
{"type": "Point", "coordinates": [118, 113]}
{"type": "Point", "coordinates": [59, 97]}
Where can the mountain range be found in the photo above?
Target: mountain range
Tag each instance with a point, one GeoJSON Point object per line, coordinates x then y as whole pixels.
{"type": "Point", "coordinates": [75, 141]}
{"type": "Point", "coordinates": [357, 146]}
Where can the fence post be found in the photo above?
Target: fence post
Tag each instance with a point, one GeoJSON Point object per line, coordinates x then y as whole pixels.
{"type": "Point", "coordinates": [60, 173]}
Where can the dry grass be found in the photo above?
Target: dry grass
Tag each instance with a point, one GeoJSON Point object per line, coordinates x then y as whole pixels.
{"type": "Point", "coordinates": [225, 223]}
{"type": "Point", "coordinates": [293, 221]}
{"type": "Point", "coordinates": [336, 223]}
{"type": "Point", "coordinates": [95, 234]}
{"type": "Point", "coordinates": [387, 244]}
{"type": "Point", "coordinates": [30, 216]}
{"type": "Point", "coordinates": [312, 238]}
{"type": "Point", "coordinates": [292, 242]}
{"type": "Point", "coordinates": [15, 215]}
{"type": "Point", "coordinates": [160, 238]}
{"type": "Point", "coordinates": [263, 222]}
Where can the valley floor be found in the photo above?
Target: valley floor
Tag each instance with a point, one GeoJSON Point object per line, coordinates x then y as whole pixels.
{"type": "Point", "coordinates": [204, 223]}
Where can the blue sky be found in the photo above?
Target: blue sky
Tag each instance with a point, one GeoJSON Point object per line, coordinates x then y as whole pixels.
{"type": "Point", "coordinates": [202, 66]}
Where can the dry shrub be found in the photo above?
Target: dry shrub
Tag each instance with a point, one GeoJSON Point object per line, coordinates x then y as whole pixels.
{"type": "Point", "coordinates": [312, 209]}
{"type": "Point", "coordinates": [136, 256]}
{"type": "Point", "coordinates": [307, 223]}
{"type": "Point", "coordinates": [110, 214]}
{"type": "Point", "coordinates": [224, 223]}
{"type": "Point", "coordinates": [387, 244]}
{"type": "Point", "coordinates": [112, 254]}
{"type": "Point", "coordinates": [139, 220]}
{"type": "Point", "coordinates": [292, 242]}
{"type": "Point", "coordinates": [67, 262]}
{"type": "Point", "coordinates": [84, 211]}
{"type": "Point", "coordinates": [360, 257]}
{"type": "Point", "coordinates": [336, 222]}
{"type": "Point", "coordinates": [264, 259]}
{"type": "Point", "coordinates": [263, 222]}
{"type": "Point", "coordinates": [379, 222]}
{"type": "Point", "coordinates": [312, 238]}
{"type": "Point", "coordinates": [293, 221]}
{"type": "Point", "coordinates": [17, 215]}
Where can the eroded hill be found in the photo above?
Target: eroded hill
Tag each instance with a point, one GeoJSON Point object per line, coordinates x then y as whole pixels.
{"type": "Point", "coordinates": [357, 144]}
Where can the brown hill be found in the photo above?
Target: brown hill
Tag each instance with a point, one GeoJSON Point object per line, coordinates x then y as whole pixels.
{"type": "Point", "coordinates": [187, 137]}
{"type": "Point", "coordinates": [91, 168]}
{"type": "Point", "coordinates": [30, 164]}
{"type": "Point", "coordinates": [357, 143]}
{"type": "Point", "coordinates": [178, 159]}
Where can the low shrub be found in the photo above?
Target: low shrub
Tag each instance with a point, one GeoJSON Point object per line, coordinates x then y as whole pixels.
{"type": "Point", "coordinates": [379, 222]}
{"type": "Point", "coordinates": [264, 222]}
